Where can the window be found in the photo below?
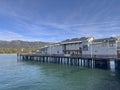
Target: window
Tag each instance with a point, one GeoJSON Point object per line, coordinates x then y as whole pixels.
{"type": "Point", "coordinates": [111, 44]}
{"type": "Point", "coordinates": [85, 47]}
{"type": "Point", "coordinates": [57, 52]}
{"type": "Point", "coordinates": [104, 44]}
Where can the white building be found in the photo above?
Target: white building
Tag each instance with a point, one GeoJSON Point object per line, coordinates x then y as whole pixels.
{"type": "Point", "coordinates": [77, 46]}
{"type": "Point", "coordinates": [106, 47]}
{"type": "Point", "coordinates": [86, 47]}
{"type": "Point", "coordinates": [52, 49]}
{"type": "Point", "coordinates": [42, 50]}
{"type": "Point", "coordinates": [55, 49]}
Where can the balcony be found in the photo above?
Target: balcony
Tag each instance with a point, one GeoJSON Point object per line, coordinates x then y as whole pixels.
{"type": "Point", "coordinates": [118, 48]}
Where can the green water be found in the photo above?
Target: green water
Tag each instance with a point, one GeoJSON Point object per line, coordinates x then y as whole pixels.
{"type": "Point", "coordinates": [16, 75]}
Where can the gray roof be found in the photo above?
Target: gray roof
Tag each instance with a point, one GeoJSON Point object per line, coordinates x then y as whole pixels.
{"type": "Point", "coordinates": [110, 39]}
{"type": "Point", "coordinates": [117, 37]}
{"type": "Point", "coordinates": [76, 39]}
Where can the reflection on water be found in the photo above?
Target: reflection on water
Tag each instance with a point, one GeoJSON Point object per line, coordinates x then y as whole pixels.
{"type": "Point", "coordinates": [30, 75]}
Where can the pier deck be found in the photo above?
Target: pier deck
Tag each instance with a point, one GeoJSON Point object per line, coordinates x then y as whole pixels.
{"type": "Point", "coordinates": [81, 57]}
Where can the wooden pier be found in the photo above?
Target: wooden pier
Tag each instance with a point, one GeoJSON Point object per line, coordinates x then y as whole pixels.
{"type": "Point", "coordinates": [104, 63]}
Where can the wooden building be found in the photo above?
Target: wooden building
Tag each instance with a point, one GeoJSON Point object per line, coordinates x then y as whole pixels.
{"type": "Point", "coordinates": [85, 47]}
{"type": "Point", "coordinates": [106, 47]}
{"type": "Point", "coordinates": [76, 46]}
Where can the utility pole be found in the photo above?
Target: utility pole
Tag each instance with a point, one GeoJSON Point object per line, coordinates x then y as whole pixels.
{"type": "Point", "coordinates": [91, 48]}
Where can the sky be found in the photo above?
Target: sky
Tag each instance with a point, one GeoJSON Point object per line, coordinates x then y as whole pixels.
{"type": "Point", "coordinates": [57, 20]}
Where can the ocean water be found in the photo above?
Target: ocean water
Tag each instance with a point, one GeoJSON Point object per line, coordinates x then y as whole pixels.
{"type": "Point", "coordinates": [31, 75]}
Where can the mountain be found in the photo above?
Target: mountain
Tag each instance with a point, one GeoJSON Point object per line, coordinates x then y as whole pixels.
{"type": "Point", "coordinates": [16, 46]}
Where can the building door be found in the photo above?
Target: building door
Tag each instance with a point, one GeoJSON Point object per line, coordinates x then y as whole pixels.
{"type": "Point", "coordinates": [64, 49]}
{"type": "Point", "coordinates": [118, 53]}
{"type": "Point", "coordinates": [80, 50]}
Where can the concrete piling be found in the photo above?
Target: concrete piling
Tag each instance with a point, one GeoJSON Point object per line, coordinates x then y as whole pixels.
{"type": "Point", "coordinates": [112, 64]}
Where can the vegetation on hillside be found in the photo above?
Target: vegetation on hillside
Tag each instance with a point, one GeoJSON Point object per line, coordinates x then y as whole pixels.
{"type": "Point", "coordinates": [18, 46]}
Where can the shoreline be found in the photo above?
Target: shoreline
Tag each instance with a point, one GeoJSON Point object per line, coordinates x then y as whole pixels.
{"type": "Point", "coordinates": [8, 54]}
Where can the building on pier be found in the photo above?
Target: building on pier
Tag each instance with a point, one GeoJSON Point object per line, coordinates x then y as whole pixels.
{"type": "Point", "coordinates": [55, 49]}
{"type": "Point", "coordinates": [106, 47]}
{"type": "Point", "coordinates": [77, 46]}
{"type": "Point", "coordinates": [42, 50]}
{"type": "Point", "coordinates": [52, 49]}
{"type": "Point", "coordinates": [86, 47]}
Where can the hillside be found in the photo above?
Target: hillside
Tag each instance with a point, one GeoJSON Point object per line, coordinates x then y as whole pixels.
{"type": "Point", "coordinates": [16, 46]}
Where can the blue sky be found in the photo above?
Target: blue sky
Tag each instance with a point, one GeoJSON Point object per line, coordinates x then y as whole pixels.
{"type": "Point", "coordinates": [56, 20]}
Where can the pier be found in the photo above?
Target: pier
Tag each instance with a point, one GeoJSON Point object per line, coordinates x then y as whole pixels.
{"type": "Point", "coordinates": [103, 63]}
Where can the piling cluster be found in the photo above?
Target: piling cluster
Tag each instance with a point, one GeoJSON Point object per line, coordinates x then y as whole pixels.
{"type": "Point", "coordinates": [73, 61]}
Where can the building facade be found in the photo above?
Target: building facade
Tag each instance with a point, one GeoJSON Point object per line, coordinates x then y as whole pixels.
{"type": "Point", "coordinates": [77, 46]}
{"type": "Point", "coordinates": [86, 47]}
{"type": "Point", "coordinates": [106, 47]}
{"type": "Point", "coordinates": [55, 49]}
{"type": "Point", "coordinates": [42, 50]}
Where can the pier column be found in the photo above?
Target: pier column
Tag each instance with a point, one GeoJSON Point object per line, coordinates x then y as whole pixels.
{"type": "Point", "coordinates": [58, 60]}
{"type": "Point", "coordinates": [67, 61]}
{"type": "Point", "coordinates": [81, 62]}
{"type": "Point", "coordinates": [75, 61]}
{"type": "Point", "coordinates": [64, 61]}
{"type": "Point", "coordinates": [89, 62]}
{"type": "Point", "coordinates": [71, 61]}
{"type": "Point", "coordinates": [78, 62]}
{"type": "Point", "coordinates": [112, 64]}
{"type": "Point", "coordinates": [46, 59]}
{"type": "Point", "coordinates": [61, 60]}
{"type": "Point", "coordinates": [84, 64]}
{"type": "Point", "coordinates": [117, 64]}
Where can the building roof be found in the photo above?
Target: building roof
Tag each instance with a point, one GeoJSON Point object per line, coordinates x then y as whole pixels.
{"type": "Point", "coordinates": [110, 39]}
{"type": "Point", "coordinates": [118, 38]}
{"type": "Point", "coordinates": [74, 40]}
